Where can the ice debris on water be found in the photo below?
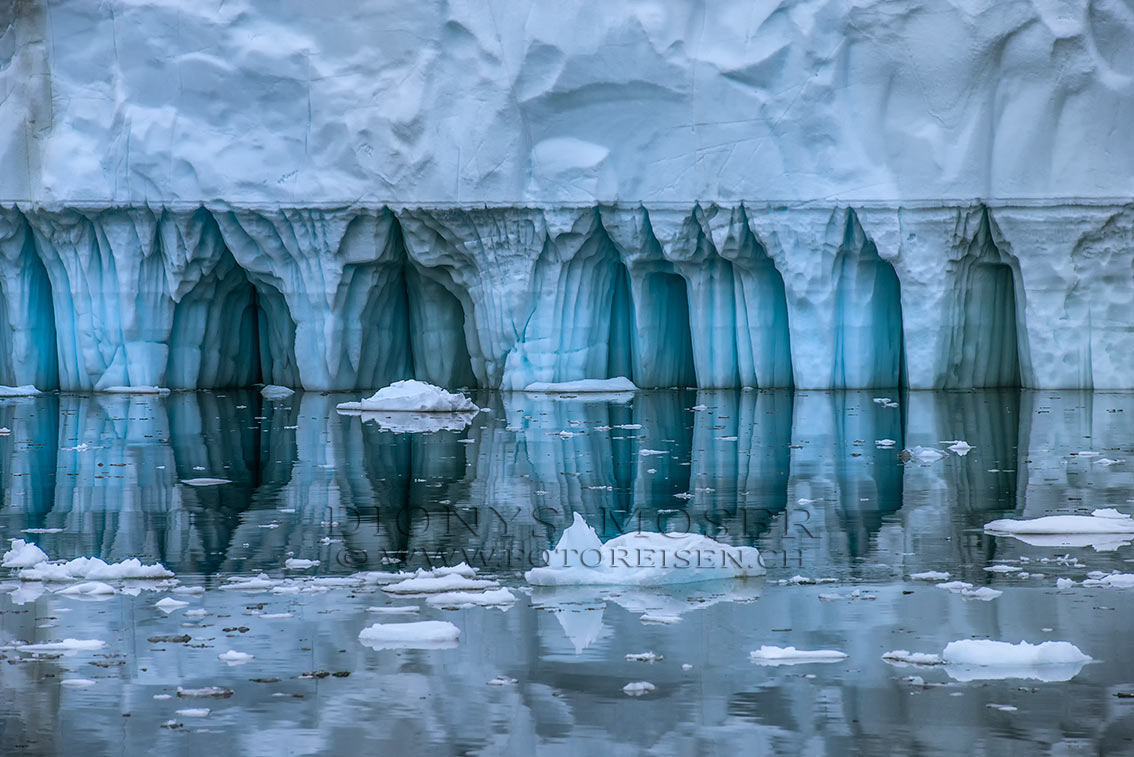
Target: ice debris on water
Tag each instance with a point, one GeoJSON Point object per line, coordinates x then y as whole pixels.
{"type": "Point", "coordinates": [412, 396]}
{"type": "Point", "coordinates": [424, 634]}
{"type": "Point", "coordinates": [770, 655]}
{"type": "Point", "coordinates": [638, 688]}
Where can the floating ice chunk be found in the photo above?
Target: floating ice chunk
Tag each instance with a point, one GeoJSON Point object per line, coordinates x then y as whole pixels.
{"type": "Point", "coordinates": [415, 397]}
{"type": "Point", "coordinates": [296, 563]}
{"type": "Point", "coordinates": [931, 575]}
{"type": "Point", "coordinates": [5, 431]}
{"type": "Point", "coordinates": [767, 655]}
{"type": "Point", "coordinates": [67, 646]}
{"type": "Point", "coordinates": [435, 584]}
{"type": "Point", "coordinates": [502, 681]}
{"type": "Point", "coordinates": [1002, 569]}
{"type": "Point", "coordinates": [94, 569]}
{"type": "Point", "coordinates": [1102, 521]}
{"type": "Point", "coordinates": [641, 558]}
{"type": "Point", "coordinates": [169, 604]}
{"type": "Point", "coordinates": [885, 442]}
{"type": "Point", "coordinates": [205, 481]}
{"type": "Point", "coordinates": [984, 593]}
{"type": "Point", "coordinates": [424, 634]}
{"type": "Point", "coordinates": [903, 656]}
{"type": "Point", "coordinates": [644, 657]}
{"type": "Point", "coordinates": [249, 583]}
{"type": "Point", "coordinates": [618, 384]}
{"type": "Point", "coordinates": [232, 657]}
{"type": "Point", "coordinates": [960, 446]}
{"type": "Point", "coordinates": [1112, 581]}
{"type": "Point", "coordinates": [496, 598]}
{"type": "Point", "coordinates": [699, 408]}
{"type": "Point", "coordinates": [1064, 583]}
{"type": "Point", "coordinates": [88, 589]}
{"type": "Point", "coordinates": [649, 452]}
{"type": "Point", "coordinates": [955, 586]}
{"type": "Point", "coordinates": [416, 423]}
{"type": "Point", "coordinates": [276, 392]}
{"type": "Point", "coordinates": [24, 390]}
{"type": "Point", "coordinates": [881, 400]}
{"type": "Point", "coordinates": [194, 712]}
{"type": "Point", "coordinates": [408, 610]}
{"type": "Point", "coordinates": [925, 454]}
{"type": "Point", "coordinates": [142, 389]}
{"type": "Point", "coordinates": [205, 692]}
{"type": "Point", "coordinates": [77, 683]}
{"type": "Point", "coordinates": [976, 659]}
{"type": "Point", "coordinates": [660, 618]}
{"type": "Point", "coordinates": [23, 554]}
{"type": "Point", "coordinates": [638, 688]}
{"type": "Point", "coordinates": [1106, 461]}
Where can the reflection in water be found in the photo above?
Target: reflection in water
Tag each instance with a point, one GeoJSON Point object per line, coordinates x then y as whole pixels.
{"type": "Point", "coordinates": [798, 475]}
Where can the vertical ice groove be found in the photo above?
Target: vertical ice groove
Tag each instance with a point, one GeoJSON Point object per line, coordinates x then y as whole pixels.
{"type": "Point", "coordinates": [486, 257]}
{"type": "Point", "coordinates": [661, 344]}
{"type": "Point", "coordinates": [27, 321]}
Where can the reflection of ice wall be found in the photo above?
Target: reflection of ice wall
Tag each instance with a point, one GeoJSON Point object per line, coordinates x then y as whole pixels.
{"type": "Point", "coordinates": [767, 195]}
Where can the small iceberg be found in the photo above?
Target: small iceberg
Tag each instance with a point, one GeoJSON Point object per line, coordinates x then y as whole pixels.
{"type": "Point", "coordinates": [641, 559]}
{"type": "Point", "coordinates": [425, 634]}
{"type": "Point", "coordinates": [142, 389]}
{"type": "Point", "coordinates": [1104, 529]}
{"type": "Point", "coordinates": [983, 659]}
{"type": "Point", "coordinates": [412, 396]}
{"type": "Point", "coordinates": [924, 455]}
{"type": "Point", "coordinates": [23, 554]}
{"type": "Point", "coordinates": [619, 384]}
{"type": "Point", "coordinates": [276, 392]}
{"type": "Point", "coordinates": [205, 481]}
{"type": "Point", "coordinates": [767, 655]}
{"type": "Point", "coordinates": [25, 390]}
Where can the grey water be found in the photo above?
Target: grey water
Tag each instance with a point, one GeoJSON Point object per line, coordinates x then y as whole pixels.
{"type": "Point", "coordinates": [841, 523]}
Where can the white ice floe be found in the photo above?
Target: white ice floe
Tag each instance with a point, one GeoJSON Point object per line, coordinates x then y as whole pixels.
{"type": "Point", "coordinates": [983, 659]}
{"type": "Point", "coordinates": [1104, 529]}
{"type": "Point", "coordinates": [638, 688]}
{"type": "Point", "coordinates": [94, 569]}
{"type": "Point", "coordinates": [1003, 569]}
{"type": "Point", "coordinates": [425, 634]}
{"type": "Point", "coordinates": [430, 583]}
{"type": "Point", "coordinates": [77, 683]}
{"type": "Point", "coordinates": [232, 657]}
{"type": "Point", "coordinates": [205, 692]}
{"type": "Point", "coordinates": [296, 563]}
{"type": "Point", "coordinates": [502, 681]}
{"type": "Point", "coordinates": [414, 397]}
{"type": "Point", "coordinates": [24, 390]}
{"type": "Point", "coordinates": [1110, 581]}
{"type": "Point", "coordinates": [618, 384]}
{"type": "Point", "coordinates": [955, 586]}
{"type": "Point", "coordinates": [885, 442]}
{"type": "Point", "coordinates": [930, 575]}
{"type": "Point", "coordinates": [194, 712]}
{"type": "Point", "coordinates": [140, 389]}
{"type": "Point", "coordinates": [23, 554]}
{"type": "Point", "coordinates": [408, 610]}
{"type": "Point", "coordinates": [88, 589]}
{"type": "Point", "coordinates": [205, 481]}
{"type": "Point", "coordinates": [926, 454]}
{"type": "Point", "coordinates": [984, 593]}
{"type": "Point", "coordinates": [494, 598]}
{"type": "Point", "coordinates": [768, 655]}
{"type": "Point", "coordinates": [641, 558]}
{"type": "Point", "coordinates": [650, 452]}
{"type": "Point", "coordinates": [5, 431]}
{"type": "Point", "coordinates": [276, 392]}
{"type": "Point", "coordinates": [169, 604]}
{"type": "Point", "coordinates": [960, 446]}
{"type": "Point", "coordinates": [1106, 461]}
{"type": "Point", "coordinates": [66, 646]}
{"type": "Point", "coordinates": [644, 657]}
{"type": "Point", "coordinates": [905, 657]}
{"type": "Point", "coordinates": [660, 618]}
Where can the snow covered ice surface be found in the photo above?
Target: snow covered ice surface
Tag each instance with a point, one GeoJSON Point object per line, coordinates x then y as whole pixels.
{"type": "Point", "coordinates": [412, 397]}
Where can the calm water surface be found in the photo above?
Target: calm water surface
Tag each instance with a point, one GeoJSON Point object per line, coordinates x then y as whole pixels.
{"type": "Point", "coordinates": [797, 475]}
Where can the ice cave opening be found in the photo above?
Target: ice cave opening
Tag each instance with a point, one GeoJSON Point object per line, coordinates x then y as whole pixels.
{"type": "Point", "coordinates": [619, 360]}
{"type": "Point", "coordinates": [868, 315]}
{"type": "Point", "coordinates": [437, 333]}
{"type": "Point", "coordinates": [985, 351]}
{"type": "Point", "coordinates": [664, 354]}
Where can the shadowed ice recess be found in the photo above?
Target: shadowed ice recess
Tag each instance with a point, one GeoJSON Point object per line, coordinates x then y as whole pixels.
{"type": "Point", "coordinates": [958, 297]}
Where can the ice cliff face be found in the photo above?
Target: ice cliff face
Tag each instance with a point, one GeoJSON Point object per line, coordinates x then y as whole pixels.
{"type": "Point", "coordinates": [826, 194]}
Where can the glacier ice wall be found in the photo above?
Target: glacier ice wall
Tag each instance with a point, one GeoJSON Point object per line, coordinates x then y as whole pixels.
{"type": "Point", "coordinates": [522, 101]}
{"type": "Point", "coordinates": [713, 296]}
{"type": "Point", "coordinates": [813, 194]}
